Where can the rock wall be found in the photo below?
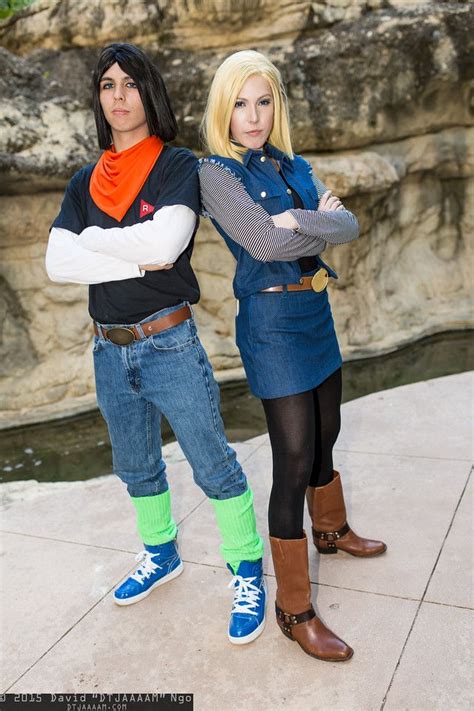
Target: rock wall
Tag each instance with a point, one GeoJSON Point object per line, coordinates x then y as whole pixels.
{"type": "Point", "coordinates": [381, 103]}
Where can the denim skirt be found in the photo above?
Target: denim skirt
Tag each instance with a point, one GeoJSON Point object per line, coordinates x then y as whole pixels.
{"type": "Point", "coordinates": [287, 342]}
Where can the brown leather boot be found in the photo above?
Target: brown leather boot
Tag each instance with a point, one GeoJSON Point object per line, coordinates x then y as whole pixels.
{"type": "Point", "coordinates": [331, 532]}
{"type": "Point", "coordinates": [295, 614]}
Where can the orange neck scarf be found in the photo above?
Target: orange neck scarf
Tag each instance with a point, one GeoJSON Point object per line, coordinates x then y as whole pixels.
{"type": "Point", "coordinates": [118, 177]}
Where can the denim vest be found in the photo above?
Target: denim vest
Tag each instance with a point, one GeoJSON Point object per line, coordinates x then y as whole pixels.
{"type": "Point", "coordinates": [259, 178]}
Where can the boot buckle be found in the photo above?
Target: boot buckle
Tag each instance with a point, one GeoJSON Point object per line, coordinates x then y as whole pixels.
{"type": "Point", "coordinates": [328, 535]}
{"type": "Point", "coordinates": [332, 535]}
{"type": "Point", "coordinates": [286, 618]}
{"type": "Point", "coordinates": [289, 620]}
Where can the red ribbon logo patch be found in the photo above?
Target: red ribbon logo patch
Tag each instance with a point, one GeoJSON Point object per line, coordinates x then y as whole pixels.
{"type": "Point", "coordinates": [146, 208]}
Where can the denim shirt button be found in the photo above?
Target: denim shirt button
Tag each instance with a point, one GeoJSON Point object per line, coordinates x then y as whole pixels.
{"type": "Point", "coordinates": [288, 190]}
{"type": "Point", "coordinates": [263, 159]}
{"type": "Point", "coordinates": [263, 194]}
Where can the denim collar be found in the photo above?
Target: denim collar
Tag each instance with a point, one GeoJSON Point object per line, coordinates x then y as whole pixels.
{"type": "Point", "coordinates": [268, 150]}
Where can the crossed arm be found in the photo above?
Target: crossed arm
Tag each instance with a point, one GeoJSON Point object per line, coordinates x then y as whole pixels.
{"type": "Point", "coordinates": [98, 255]}
{"type": "Point", "coordinates": [283, 237]}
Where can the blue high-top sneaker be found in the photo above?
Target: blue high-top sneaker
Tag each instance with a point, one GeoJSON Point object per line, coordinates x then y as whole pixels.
{"type": "Point", "coordinates": [247, 617]}
{"type": "Point", "coordinates": [158, 565]}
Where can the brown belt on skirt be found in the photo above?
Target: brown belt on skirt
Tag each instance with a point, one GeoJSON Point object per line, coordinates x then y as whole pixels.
{"type": "Point", "coordinates": [317, 282]}
{"type": "Point", "coordinates": [124, 335]}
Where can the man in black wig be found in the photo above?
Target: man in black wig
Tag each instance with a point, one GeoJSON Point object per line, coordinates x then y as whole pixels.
{"type": "Point", "coordinates": [126, 228]}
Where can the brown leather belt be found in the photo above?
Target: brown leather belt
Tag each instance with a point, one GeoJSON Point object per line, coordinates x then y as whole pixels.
{"type": "Point", "coordinates": [124, 335]}
{"type": "Point", "coordinates": [318, 282]}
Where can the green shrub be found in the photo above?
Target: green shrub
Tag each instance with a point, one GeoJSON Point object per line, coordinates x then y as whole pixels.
{"type": "Point", "coordinates": [9, 7]}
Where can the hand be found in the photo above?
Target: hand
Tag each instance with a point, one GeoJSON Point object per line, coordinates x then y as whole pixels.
{"type": "Point", "coordinates": [330, 202]}
{"type": "Point", "coordinates": [154, 267]}
{"type": "Point", "coordinates": [286, 220]}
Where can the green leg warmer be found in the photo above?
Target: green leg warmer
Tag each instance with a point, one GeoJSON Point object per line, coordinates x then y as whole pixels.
{"type": "Point", "coordinates": [154, 519]}
{"type": "Point", "coordinates": [236, 522]}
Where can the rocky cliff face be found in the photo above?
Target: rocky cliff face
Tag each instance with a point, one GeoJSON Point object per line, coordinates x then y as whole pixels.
{"type": "Point", "coordinates": [381, 103]}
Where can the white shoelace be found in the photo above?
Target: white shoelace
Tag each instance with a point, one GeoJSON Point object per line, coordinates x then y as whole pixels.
{"type": "Point", "coordinates": [147, 567]}
{"type": "Point", "coordinates": [245, 596]}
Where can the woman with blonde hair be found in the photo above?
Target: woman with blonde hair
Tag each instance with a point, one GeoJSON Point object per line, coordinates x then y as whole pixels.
{"type": "Point", "coordinates": [276, 217]}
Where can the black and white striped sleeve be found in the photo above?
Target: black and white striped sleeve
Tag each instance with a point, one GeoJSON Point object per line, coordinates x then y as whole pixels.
{"type": "Point", "coordinates": [333, 226]}
{"type": "Point", "coordinates": [227, 201]}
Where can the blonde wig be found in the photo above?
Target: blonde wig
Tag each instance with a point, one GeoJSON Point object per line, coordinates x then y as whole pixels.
{"type": "Point", "coordinates": [226, 85]}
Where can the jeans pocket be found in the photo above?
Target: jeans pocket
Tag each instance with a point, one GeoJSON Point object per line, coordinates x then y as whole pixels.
{"type": "Point", "coordinates": [266, 310]}
{"type": "Point", "coordinates": [97, 344]}
{"type": "Point", "coordinates": [176, 338]}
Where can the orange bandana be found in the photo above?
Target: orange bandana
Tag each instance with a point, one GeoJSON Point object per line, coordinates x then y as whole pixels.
{"type": "Point", "coordinates": [118, 177]}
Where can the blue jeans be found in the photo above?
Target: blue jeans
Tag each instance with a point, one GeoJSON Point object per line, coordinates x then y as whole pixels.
{"type": "Point", "coordinates": [168, 373]}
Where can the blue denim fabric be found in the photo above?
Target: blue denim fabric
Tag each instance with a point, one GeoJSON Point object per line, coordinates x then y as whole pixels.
{"type": "Point", "coordinates": [168, 373]}
{"type": "Point", "coordinates": [258, 177]}
{"type": "Point", "coordinates": [287, 342]}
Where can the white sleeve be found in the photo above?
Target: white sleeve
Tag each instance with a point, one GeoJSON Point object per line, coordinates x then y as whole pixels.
{"type": "Point", "coordinates": [67, 261]}
{"type": "Point", "coordinates": [157, 241]}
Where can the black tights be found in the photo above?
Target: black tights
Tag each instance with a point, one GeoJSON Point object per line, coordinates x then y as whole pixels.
{"type": "Point", "coordinates": [303, 429]}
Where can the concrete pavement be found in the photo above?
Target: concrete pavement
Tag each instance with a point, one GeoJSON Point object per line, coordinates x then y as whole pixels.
{"type": "Point", "coordinates": [405, 456]}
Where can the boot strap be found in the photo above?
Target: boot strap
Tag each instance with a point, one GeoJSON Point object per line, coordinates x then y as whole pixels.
{"type": "Point", "coordinates": [289, 620]}
{"type": "Point", "coordinates": [332, 535]}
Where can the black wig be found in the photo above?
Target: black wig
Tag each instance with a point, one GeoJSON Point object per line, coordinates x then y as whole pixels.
{"type": "Point", "coordinates": [159, 114]}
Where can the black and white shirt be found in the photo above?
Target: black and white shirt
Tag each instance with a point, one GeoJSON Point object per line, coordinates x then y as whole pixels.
{"type": "Point", "coordinates": [87, 246]}
{"type": "Point", "coordinates": [227, 201]}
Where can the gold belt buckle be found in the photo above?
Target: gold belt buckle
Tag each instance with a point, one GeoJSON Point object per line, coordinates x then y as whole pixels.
{"type": "Point", "coordinates": [320, 280]}
{"type": "Point", "coordinates": [120, 336]}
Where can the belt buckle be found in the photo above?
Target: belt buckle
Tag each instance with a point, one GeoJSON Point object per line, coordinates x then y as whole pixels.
{"type": "Point", "coordinates": [121, 336]}
{"type": "Point", "coordinates": [320, 280]}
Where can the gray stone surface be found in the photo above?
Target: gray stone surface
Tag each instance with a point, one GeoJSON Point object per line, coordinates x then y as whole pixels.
{"type": "Point", "coordinates": [185, 648]}
{"type": "Point", "coordinates": [451, 583]}
{"type": "Point", "coordinates": [379, 93]}
{"type": "Point", "coordinates": [434, 431]}
{"type": "Point", "coordinates": [47, 587]}
{"type": "Point", "coordinates": [407, 614]}
{"type": "Point", "coordinates": [435, 672]}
